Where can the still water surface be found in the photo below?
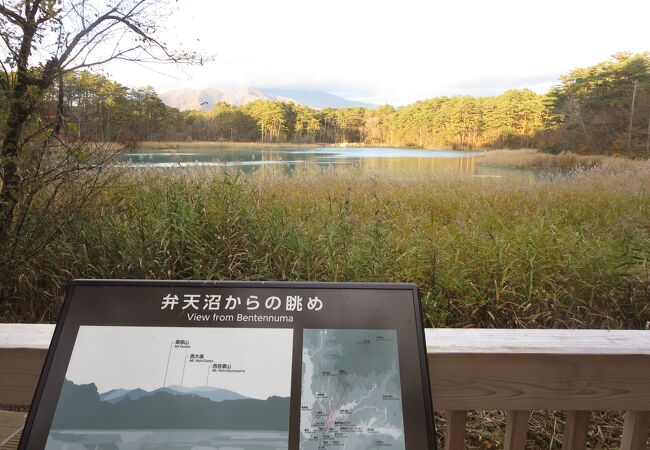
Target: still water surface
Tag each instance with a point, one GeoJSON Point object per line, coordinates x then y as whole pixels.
{"type": "Point", "coordinates": [292, 159]}
{"type": "Point", "coordinates": [166, 440]}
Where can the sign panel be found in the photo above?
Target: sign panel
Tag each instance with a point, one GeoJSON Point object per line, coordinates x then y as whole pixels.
{"type": "Point", "coordinates": [138, 365]}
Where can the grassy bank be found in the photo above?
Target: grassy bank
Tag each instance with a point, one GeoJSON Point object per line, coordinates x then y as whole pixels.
{"type": "Point", "coordinates": [569, 251]}
{"type": "Point", "coordinates": [166, 145]}
{"type": "Point", "coordinates": [567, 162]}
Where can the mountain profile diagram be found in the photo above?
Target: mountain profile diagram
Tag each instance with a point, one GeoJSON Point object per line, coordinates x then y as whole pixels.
{"type": "Point", "coordinates": [211, 393]}
{"type": "Point", "coordinates": [180, 388]}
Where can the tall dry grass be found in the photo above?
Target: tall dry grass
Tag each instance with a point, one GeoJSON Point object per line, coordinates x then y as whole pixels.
{"type": "Point", "coordinates": [566, 161]}
{"type": "Point", "coordinates": [566, 251]}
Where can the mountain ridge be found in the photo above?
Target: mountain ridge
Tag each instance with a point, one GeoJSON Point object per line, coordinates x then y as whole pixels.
{"type": "Point", "coordinates": [190, 99]}
{"type": "Point", "coordinates": [115, 396]}
{"type": "Point", "coordinates": [80, 407]}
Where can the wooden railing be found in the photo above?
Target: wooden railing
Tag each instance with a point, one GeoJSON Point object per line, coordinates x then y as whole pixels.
{"type": "Point", "coordinates": [576, 371]}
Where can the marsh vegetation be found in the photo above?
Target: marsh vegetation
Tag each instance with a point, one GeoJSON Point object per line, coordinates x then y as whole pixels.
{"type": "Point", "coordinates": [569, 249]}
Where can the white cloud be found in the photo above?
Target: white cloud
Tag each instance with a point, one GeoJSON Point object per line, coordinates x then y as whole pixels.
{"type": "Point", "coordinates": [395, 51]}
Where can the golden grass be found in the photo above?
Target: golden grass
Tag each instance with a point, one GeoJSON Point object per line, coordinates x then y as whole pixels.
{"type": "Point", "coordinates": [534, 159]}
{"type": "Point", "coordinates": [564, 251]}
{"type": "Point", "coordinates": [167, 145]}
{"type": "Point", "coordinates": [571, 250]}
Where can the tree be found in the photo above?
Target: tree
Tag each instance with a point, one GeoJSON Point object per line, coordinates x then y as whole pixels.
{"type": "Point", "coordinates": [514, 119]}
{"type": "Point", "coordinates": [149, 113]}
{"type": "Point", "coordinates": [603, 108]}
{"type": "Point", "coordinates": [275, 119]}
{"type": "Point", "coordinates": [46, 39]}
{"type": "Point", "coordinates": [376, 124]}
{"type": "Point", "coordinates": [96, 108]}
{"type": "Point", "coordinates": [46, 176]}
{"type": "Point", "coordinates": [308, 124]}
{"type": "Point", "coordinates": [350, 124]}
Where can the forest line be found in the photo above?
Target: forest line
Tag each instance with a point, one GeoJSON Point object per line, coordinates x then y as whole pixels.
{"type": "Point", "coordinates": [602, 109]}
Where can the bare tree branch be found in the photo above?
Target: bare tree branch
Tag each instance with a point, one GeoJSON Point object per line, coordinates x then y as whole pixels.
{"type": "Point", "coordinates": [117, 56]}
{"type": "Point", "coordinates": [44, 40]}
{"type": "Point", "coordinates": [14, 17]}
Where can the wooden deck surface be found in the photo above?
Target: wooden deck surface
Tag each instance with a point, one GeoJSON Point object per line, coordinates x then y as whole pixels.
{"type": "Point", "coordinates": [11, 424]}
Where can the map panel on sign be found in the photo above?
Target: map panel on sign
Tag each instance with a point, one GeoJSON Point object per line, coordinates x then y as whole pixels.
{"type": "Point", "coordinates": [351, 393]}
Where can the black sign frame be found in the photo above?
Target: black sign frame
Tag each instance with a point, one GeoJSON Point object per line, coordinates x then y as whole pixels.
{"type": "Point", "coordinates": [406, 319]}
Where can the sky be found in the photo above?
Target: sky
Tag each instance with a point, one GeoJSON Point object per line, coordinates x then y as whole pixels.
{"type": "Point", "coordinates": [395, 51]}
{"type": "Point", "coordinates": [146, 352]}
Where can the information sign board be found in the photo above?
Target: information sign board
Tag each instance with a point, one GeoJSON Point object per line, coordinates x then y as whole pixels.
{"type": "Point", "coordinates": [234, 365]}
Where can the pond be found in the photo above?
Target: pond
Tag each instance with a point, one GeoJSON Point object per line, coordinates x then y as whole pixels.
{"type": "Point", "coordinates": [291, 159]}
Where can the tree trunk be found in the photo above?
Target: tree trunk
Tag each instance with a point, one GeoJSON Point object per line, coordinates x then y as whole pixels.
{"type": "Point", "coordinates": [19, 112]}
{"type": "Point", "coordinates": [647, 145]}
{"type": "Point", "coordinates": [629, 131]}
{"type": "Point", "coordinates": [22, 104]}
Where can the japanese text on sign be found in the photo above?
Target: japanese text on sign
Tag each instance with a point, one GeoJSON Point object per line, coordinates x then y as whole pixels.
{"type": "Point", "coordinates": [216, 302]}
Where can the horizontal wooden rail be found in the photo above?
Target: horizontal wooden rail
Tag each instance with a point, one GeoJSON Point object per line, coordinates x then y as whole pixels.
{"type": "Point", "coordinates": [576, 371]}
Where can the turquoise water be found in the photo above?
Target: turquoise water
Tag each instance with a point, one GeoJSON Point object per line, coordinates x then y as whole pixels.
{"type": "Point", "coordinates": [289, 159]}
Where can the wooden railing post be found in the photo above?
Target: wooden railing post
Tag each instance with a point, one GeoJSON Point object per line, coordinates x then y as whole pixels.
{"type": "Point", "coordinates": [455, 430]}
{"type": "Point", "coordinates": [575, 430]}
{"type": "Point", "coordinates": [516, 430]}
{"type": "Point", "coordinates": [470, 369]}
{"type": "Point", "coordinates": [635, 430]}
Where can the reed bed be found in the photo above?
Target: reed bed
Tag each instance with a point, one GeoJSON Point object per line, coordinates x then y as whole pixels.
{"type": "Point", "coordinates": [566, 161]}
{"type": "Point", "coordinates": [568, 251]}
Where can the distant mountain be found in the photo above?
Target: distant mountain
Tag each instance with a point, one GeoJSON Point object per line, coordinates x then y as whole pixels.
{"type": "Point", "coordinates": [215, 394]}
{"type": "Point", "coordinates": [110, 396]}
{"type": "Point", "coordinates": [242, 96]}
{"type": "Point", "coordinates": [117, 395]}
{"type": "Point", "coordinates": [188, 99]}
{"type": "Point", "coordinates": [205, 99]}
{"type": "Point", "coordinates": [80, 408]}
{"type": "Point", "coordinates": [316, 99]}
